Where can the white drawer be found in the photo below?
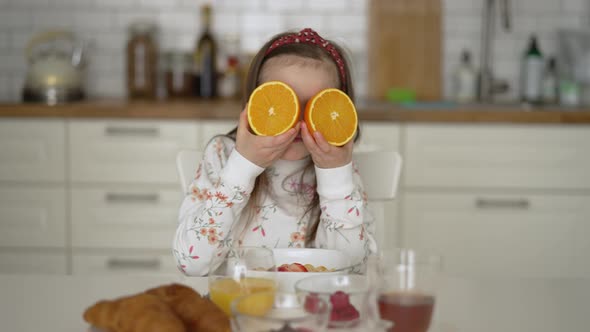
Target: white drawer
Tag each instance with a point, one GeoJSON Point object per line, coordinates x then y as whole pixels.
{"type": "Point", "coordinates": [32, 150]}
{"type": "Point", "coordinates": [124, 263]}
{"type": "Point", "coordinates": [33, 262]}
{"type": "Point", "coordinates": [32, 217]}
{"type": "Point", "coordinates": [124, 217]}
{"type": "Point", "coordinates": [210, 128]}
{"type": "Point", "coordinates": [487, 234]}
{"type": "Point", "coordinates": [128, 151]}
{"type": "Point", "coordinates": [383, 135]}
{"type": "Point", "coordinates": [498, 156]}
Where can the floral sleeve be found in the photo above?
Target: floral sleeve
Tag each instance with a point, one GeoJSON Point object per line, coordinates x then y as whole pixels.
{"type": "Point", "coordinates": [211, 209]}
{"type": "Point", "coordinates": [345, 222]}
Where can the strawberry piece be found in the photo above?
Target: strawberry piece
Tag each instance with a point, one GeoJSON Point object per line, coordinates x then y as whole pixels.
{"type": "Point", "coordinates": [344, 314]}
{"type": "Point", "coordinates": [283, 268]}
{"type": "Point", "coordinates": [296, 267]}
{"type": "Point", "coordinates": [339, 300]}
{"type": "Point", "coordinates": [312, 303]}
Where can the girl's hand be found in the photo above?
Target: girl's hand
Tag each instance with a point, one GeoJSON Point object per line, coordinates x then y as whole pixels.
{"type": "Point", "coordinates": [324, 154]}
{"type": "Point", "coordinates": [262, 150]}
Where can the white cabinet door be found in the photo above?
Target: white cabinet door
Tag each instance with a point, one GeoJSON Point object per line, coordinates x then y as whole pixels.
{"type": "Point", "coordinates": [508, 156]}
{"type": "Point", "coordinates": [124, 263]}
{"type": "Point", "coordinates": [30, 262]}
{"type": "Point", "coordinates": [124, 217]}
{"type": "Point", "coordinates": [211, 128]}
{"type": "Point", "coordinates": [32, 150]}
{"type": "Point", "coordinates": [383, 135]}
{"type": "Point", "coordinates": [488, 234]}
{"type": "Point", "coordinates": [32, 217]}
{"type": "Point", "coordinates": [128, 150]}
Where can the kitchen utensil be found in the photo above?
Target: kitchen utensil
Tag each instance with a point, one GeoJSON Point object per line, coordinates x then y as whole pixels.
{"type": "Point", "coordinates": [55, 72]}
{"type": "Point", "coordinates": [405, 48]}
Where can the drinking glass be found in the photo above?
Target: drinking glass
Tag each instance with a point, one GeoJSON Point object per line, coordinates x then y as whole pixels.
{"type": "Point", "coordinates": [279, 312]}
{"type": "Point", "coordinates": [238, 271]}
{"type": "Point", "coordinates": [408, 287]}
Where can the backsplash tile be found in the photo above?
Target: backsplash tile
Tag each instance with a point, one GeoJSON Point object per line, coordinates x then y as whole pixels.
{"type": "Point", "coordinates": [104, 23]}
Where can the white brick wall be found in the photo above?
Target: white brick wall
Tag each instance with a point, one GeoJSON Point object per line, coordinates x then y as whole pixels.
{"type": "Point", "coordinates": [104, 23]}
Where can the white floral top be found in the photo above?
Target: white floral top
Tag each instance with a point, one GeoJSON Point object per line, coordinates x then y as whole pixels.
{"type": "Point", "coordinates": [211, 213]}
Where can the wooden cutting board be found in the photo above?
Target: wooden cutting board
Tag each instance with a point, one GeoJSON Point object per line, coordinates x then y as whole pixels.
{"type": "Point", "coordinates": [405, 47]}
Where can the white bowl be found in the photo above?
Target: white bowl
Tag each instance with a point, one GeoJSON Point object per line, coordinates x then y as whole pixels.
{"type": "Point", "coordinates": [331, 259]}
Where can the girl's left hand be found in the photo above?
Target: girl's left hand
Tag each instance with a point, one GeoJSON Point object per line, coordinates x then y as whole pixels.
{"type": "Point", "coordinates": [324, 154]}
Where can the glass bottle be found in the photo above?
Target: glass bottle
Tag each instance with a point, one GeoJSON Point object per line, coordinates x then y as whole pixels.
{"type": "Point", "coordinates": [178, 75]}
{"type": "Point", "coordinates": [550, 83]}
{"type": "Point", "coordinates": [205, 58]}
{"type": "Point", "coordinates": [142, 60]}
{"type": "Point", "coordinates": [532, 73]}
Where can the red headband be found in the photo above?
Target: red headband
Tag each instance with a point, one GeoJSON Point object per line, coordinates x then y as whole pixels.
{"type": "Point", "coordinates": [309, 36]}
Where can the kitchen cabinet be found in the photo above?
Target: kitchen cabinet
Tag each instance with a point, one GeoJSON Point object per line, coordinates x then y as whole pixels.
{"type": "Point", "coordinates": [498, 156]}
{"type": "Point", "coordinates": [33, 262]}
{"type": "Point", "coordinates": [501, 235]}
{"type": "Point", "coordinates": [501, 201]}
{"type": "Point", "coordinates": [210, 128]}
{"type": "Point", "coordinates": [117, 263]}
{"type": "Point", "coordinates": [101, 196]}
{"type": "Point", "coordinates": [115, 216]}
{"type": "Point", "coordinates": [32, 217]}
{"type": "Point", "coordinates": [32, 151]}
{"type": "Point", "coordinates": [124, 191]}
{"type": "Point", "coordinates": [33, 220]}
{"type": "Point", "coordinates": [128, 151]}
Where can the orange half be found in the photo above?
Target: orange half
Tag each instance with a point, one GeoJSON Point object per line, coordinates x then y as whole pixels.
{"type": "Point", "coordinates": [332, 113]}
{"type": "Point", "coordinates": [273, 108]}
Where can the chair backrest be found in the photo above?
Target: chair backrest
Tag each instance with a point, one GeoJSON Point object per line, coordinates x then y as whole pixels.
{"type": "Point", "coordinates": [187, 162]}
{"type": "Point", "coordinates": [380, 170]}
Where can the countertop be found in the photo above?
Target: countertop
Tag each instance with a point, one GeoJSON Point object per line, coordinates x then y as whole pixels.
{"type": "Point", "coordinates": [368, 111]}
{"type": "Point", "coordinates": [55, 303]}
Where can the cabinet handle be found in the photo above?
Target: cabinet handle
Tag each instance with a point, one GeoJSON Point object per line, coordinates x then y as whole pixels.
{"type": "Point", "coordinates": [130, 131]}
{"type": "Point", "coordinates": [131, 263]}
{"type": "Point", "coordinates": [131, 198]}
{"type": "Point", "coordinates": [498, 203]}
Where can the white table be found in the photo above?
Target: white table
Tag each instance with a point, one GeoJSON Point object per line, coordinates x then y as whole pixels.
{"type": "Point", "coordinates": [56, 303]}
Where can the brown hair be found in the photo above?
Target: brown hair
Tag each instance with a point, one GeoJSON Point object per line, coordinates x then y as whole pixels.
{"type": "Point", "coordinates": [252, 81]}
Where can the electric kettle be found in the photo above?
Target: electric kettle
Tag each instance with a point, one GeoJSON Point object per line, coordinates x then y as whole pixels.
{"type": "Point", "coordinates": [55, 73]}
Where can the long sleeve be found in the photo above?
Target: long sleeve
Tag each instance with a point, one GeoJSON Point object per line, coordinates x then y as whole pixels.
{"type": "Point", "coordinates": [345, 222]}
{"type": "Point", "coordinates": [211, 209]}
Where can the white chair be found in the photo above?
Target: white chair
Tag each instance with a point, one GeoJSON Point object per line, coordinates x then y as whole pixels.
{"type": "Point", "coordinates": [380, 171]}
{"type": "Point", "coordinates": [187, 162]}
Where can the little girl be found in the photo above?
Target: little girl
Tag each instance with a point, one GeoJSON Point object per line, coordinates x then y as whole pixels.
{"type": "Point", "coordinates": [291, 190]}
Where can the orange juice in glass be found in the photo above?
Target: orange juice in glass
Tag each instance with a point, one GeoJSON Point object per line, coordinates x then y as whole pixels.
{"type": "Point", "coordinates": [241, 271]}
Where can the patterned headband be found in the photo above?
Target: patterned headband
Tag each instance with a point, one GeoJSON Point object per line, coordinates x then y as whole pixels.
{"type": "Point", "coordinates": [309, 36]}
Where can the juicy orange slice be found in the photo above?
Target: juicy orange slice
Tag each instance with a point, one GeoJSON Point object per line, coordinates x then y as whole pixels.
{"type": "Point", "coordinates": [273, 108]}
{"type": "Point", "coordinates": [332, 113]}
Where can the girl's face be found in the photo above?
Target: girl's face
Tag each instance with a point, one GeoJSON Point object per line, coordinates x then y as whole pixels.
{"type": "Point", "coordinates": [306, 77]}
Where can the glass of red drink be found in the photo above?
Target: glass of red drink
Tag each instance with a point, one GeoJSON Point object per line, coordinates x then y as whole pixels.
{"type": "Point", "coordinates": [408, 288]}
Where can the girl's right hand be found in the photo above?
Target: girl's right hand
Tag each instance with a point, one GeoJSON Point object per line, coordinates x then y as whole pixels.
{"type": "Point", "coordinates": [262, 150]}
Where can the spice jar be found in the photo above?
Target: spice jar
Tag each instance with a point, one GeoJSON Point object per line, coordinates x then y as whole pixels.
{"type": "Point", "coordinates": [178, 74]}
{"type": "Point", "coordinates": [142, 60]}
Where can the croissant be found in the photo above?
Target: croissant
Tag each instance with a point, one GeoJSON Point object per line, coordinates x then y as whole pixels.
{"type": "Point", "coordinates": [197, 313]}
{"type": "Point", "coordinates": [139, 313]}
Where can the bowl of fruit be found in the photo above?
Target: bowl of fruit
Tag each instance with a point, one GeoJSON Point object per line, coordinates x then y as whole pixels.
{"type": "Point", "coordinates": [348, 296]}
{"type": "Point", "coordinates": [294, 264]}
